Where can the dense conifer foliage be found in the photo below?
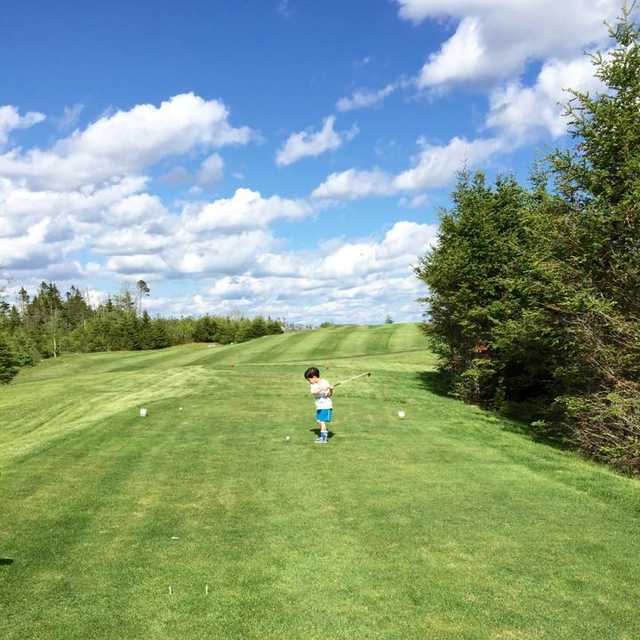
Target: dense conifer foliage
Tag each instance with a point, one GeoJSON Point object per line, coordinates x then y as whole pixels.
{"type": "Point", "coordinates": [535, 290]}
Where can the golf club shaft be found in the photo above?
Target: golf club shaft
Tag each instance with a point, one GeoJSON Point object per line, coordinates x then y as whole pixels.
{"type": "Point", "coordinates": [360, 375]}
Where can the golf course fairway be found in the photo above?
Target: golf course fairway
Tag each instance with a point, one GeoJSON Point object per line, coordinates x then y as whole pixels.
{"type": "Point", "coordinates": [203, 521]}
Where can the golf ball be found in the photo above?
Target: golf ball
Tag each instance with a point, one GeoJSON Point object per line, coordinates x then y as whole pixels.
{"type": "Point", "coordinates": [401, 414]}
{"type": "Point", "coordinates": [288, 438]}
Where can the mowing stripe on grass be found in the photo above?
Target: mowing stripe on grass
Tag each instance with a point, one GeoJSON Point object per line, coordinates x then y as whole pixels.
{"type": "Point", "coordinates": [449, 524]}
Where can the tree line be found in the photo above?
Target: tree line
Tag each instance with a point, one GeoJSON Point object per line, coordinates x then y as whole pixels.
{"type": "Point", "coordinates": [534, 289]}
{"type": "Point", "coordinates": [47, 324]}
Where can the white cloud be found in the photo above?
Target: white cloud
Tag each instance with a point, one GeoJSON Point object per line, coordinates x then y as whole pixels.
{"type": "Point", "coordinates": [246, 209]}
{"type": "Point", "coordinates": [135, 209]}
{"type": "Point", "coordinates": [435, 166]}
{"type": "Point", "coordinates": [126, 142]}
{"type": "Point", "coordinates": [83, 200]}
{"type": "Point", "coordinates": [393, 255]}
{"type": "Point", "coordinates": [345, 283]}
{"type": "Point", "coordinates": [495, 38]}
{"type": "Point", "coordinates": [131, 241]}
{"type": "Point", "coordinates": [21, 207]}
{"type": "Point", "coordinates": [522, 111]}
{"type": "Point", "coordinates": [218, 254]}
{"type": "Point", "coordinates": [211, 170]}
{"type": "Point", "coordinates": [438, 165]}
{"type": "Point", "coordinates": [11, 119]}
{"type": "Point", "coordinates": [362, 98]}
{"type": "Point", "coordinates": [137, 264]}
{"type": "Point", "coordinates": [313, 143]}
{"type": "Point", "coordinates": [41, 246]}
{"type": "Point", "coordinates": [353, 184]}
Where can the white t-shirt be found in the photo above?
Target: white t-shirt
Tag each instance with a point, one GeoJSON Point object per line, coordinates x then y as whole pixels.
{"type": "Point", "coordinates": [320, 391]}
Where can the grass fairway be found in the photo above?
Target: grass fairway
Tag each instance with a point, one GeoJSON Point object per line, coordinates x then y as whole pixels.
{"type": "Point", "coordinates": [446, 525]}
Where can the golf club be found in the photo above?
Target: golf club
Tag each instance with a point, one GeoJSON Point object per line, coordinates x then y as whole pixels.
{"type": "Point", "coordinates": [360, 375]}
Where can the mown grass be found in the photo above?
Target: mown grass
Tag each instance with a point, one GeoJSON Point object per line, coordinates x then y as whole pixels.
{"type": "Point", "coordinates": [444, 525]}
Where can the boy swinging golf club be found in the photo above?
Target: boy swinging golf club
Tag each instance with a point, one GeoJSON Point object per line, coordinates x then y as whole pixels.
{"type": "Point", "coordinates": [322, 390]}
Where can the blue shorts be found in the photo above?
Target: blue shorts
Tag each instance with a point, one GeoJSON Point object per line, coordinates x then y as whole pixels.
{"type": "Point", "coordinates": [324, 415]}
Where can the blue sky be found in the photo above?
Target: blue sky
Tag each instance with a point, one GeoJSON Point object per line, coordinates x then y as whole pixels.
{"type": "Point", "coordinates": [284, 158]}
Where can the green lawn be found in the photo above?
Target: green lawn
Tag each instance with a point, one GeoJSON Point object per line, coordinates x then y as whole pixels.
{"type": "Point", "coordinates": [202, 521]}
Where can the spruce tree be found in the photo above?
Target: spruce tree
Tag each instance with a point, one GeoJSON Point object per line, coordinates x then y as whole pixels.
{"type": "Point", "coordinates": [8, 368]}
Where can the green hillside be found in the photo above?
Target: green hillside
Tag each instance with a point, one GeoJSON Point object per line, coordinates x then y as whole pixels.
{"type": "Point", "coordinates": [203, 521]}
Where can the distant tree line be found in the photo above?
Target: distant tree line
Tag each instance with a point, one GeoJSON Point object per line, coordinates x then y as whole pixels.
{"type": "Point", "coordinates": [534, 291]}
{"type": "Point", "coordinates": [47, 324]}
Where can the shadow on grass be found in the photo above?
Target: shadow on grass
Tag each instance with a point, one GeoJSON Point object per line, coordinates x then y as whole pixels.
{"type": "Point", "coordinates": [5, 562]}
{"type": "Point", "coordinates": [434, 382]}
{"type": "Point", "coordinates": [516, 417]}
{"type": "Point", "coordinates": [317, 432]}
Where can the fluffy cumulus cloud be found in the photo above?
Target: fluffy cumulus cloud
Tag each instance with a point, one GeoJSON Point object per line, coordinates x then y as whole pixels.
{"type": "Point", "coordinates": [343, 282]}
{"type": "Point", "coordinates": [303, 144]}
{"type": "Point", "coordinates": [126, 142]}
{"type": "Point", "coordinates": [353, 184]}
{"type": "Point", "coordinates": [136, 240]}
{"type": "Point", "coordinates": [435, 166]}
{"type": "Point", "coordinates": [41, 246]}
{"type": "Point", "coordinates": [21, 207]}
{"type": "Point", "coordinates": [134, 209]}
{"type": "Point", "coordinates": [11, 119]}
{"type": "Point", "coordinates": [496, 38]}
{"type": "Point", "coordinates": [89, 192]}
{"type": "Point", "coordinates": [521, 111]}
{"type": "Point", "coordinates": [84, 209]}
{"type": "Point", "coordinates": [222, 236]}
{"type": "Point", "coordinates": [246, 209]}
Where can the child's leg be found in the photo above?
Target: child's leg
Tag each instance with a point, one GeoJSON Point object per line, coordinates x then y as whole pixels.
{"type": "Point", "coordinates": [323, 431]}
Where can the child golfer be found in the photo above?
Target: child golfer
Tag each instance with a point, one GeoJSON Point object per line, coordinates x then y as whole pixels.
{"type": "Point", "coordinates": [322, 391]}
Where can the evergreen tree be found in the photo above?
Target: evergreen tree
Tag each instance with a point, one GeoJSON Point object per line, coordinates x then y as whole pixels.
{"type": "Point", "coordinates": [5, 310]}
{"type": "Point", "coordinates": [258, 327]}
{"type": "Point", "coordinates": [535, 295]}
{"type": "Point", "coordinates": [274, 327]}
{"type": "Point", "coordinates": [205, 330]}
{"type": "Point", "coordinates": [8, 367]}
{"type": "Point", "coordinates": [14, 320]}
{"type": "Point", "coordinates": [596, 252]}
{"type": "Point", "coordinates": [159, 338]}
{"type": "Point", "coordinates": [75, 310]}
{"type": "Point", "coordinates": [146, 337]}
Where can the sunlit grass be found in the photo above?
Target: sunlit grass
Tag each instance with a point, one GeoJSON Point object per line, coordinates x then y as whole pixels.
{"type": "Point", "coordinates": [203, 521]}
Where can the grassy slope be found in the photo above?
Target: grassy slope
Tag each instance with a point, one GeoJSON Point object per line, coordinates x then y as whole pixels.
{"type": "Point", "coordinates": [445, 525]}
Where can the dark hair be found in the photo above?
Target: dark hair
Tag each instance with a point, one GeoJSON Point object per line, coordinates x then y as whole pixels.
{"type": "Point", "coordinates": [312, 372]}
